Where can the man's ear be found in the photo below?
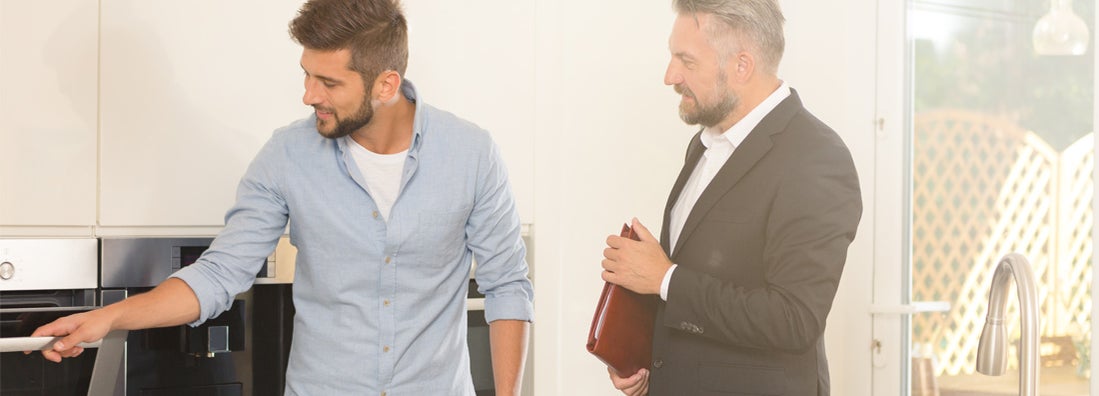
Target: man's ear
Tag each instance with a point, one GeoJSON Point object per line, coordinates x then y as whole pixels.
{"type": "Point", "coordinates": [744, 66]}
{"type": "Point", "coordinates": [387, 86]}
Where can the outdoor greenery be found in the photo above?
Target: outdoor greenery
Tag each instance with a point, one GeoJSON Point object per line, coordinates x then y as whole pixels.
{"type": "Point", "coordinates": [990, 66]}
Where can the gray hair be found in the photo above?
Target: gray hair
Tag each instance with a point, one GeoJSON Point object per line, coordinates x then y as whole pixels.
{"type": "Point", "coordinates": [755, 23]}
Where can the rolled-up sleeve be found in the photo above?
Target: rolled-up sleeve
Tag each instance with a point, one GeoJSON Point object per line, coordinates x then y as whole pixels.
{"type": "Point", "coordinates": [494, 233]}
{"type": "Point", "coordinates": [252, 229]}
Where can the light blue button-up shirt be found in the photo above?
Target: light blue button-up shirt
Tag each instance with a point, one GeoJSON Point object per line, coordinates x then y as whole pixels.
{"type": "Point", "coordinates": [380, 304]}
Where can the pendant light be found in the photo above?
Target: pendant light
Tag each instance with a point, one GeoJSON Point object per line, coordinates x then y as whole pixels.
{"type": "Point", "coordinates": [1061, 31]}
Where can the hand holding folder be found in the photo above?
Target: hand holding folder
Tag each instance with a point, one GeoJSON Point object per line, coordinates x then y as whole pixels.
{"type": "Point", "coordinates": [621, 333]}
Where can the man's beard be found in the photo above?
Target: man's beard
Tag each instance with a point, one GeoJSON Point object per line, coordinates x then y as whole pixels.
{"type": "Point", "coordinates": [712, 114]}
{"type": "Point", "coordinates": [344, 127]}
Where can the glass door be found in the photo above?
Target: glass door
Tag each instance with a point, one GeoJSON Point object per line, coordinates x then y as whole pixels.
{"type": "Point", "coordinates": [987, 127]}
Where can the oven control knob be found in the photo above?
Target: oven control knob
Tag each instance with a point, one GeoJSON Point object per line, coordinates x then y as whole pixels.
{"type": "Point", "coordinates": [6, 270]}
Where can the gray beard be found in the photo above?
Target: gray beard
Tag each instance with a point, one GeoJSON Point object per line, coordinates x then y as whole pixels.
{"type": "Point", "coordinates": [711, 115]}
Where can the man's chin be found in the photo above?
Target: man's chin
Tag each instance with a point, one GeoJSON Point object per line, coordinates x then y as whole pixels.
{"type": "Point", "coordinates": [327, 130]}
{"type": "Point", "coordinates": [687, 116]}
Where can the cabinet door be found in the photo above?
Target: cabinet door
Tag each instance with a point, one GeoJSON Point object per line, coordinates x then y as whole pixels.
{"type": "Point", "coordinates": [48, 113]}
{"type": "Point", "coordinates": [190, 90]}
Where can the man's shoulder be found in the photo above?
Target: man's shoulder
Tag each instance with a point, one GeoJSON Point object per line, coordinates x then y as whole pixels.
{"type": "Point", "coordinates": [303, 128]}
{"type": "Point", "coordinates": [447, 127]}
{"type": "Point", "coordinates": [298, 139]}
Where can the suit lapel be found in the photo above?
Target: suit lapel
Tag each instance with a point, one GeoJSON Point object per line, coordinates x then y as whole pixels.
{"type": "Point", "coordinates": [750, 151]}
{"type": "Point", "coordinates": [694, 152]}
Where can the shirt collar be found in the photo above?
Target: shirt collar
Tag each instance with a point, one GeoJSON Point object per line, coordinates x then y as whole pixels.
{"type": "Point", "coordinates": [739, 131]}
{"type": "Point", "coordinates": [418, 123]}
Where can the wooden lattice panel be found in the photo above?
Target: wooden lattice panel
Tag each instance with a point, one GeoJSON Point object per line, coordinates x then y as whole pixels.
{"type": "Point", "coordinates": [982, 187]}
{"type": "Point", "coordinates": [1074, 252]}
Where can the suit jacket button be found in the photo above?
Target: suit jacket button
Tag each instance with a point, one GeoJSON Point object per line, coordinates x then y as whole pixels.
{"type": "Point", "coordinates": [658, 363]}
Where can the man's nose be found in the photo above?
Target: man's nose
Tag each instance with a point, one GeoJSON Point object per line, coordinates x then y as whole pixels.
{"type": "Point", "coordinates": [672, 76]}
{"type": "Point", "coordinates": [310, 98]}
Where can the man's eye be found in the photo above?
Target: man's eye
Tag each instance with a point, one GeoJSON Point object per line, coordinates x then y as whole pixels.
{"type": "Point", "coordinates": [328, 84]}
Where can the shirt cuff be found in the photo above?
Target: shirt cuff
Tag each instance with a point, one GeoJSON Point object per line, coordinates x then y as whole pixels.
{"type": "Point", "coordinates": [205, 290]}
{"type": "Point", "coordinates": [508, 307]}
{"type": "Point", "coordinates": [667, 280]}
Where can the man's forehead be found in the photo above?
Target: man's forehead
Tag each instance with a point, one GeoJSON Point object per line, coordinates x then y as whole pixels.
{"type": "Point", "coordinates": [331, 62]}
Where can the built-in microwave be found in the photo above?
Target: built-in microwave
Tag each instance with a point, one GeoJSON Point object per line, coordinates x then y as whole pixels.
{"type": "Point", "coordinates": [243, 351]}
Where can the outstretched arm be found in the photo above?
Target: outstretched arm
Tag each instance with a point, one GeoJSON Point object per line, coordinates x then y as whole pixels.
{"type": "Point", "coordinates": [169, 304]}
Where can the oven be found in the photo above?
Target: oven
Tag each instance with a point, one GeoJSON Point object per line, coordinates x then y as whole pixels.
{"type": "Point", "coordinates": [42, 280]}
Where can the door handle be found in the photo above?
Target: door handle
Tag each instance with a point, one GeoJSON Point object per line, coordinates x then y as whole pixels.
{"type": "Point", "coordinates": [876, 345]}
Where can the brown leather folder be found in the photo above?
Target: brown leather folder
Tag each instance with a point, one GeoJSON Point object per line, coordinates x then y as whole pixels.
{"type": "Point", "coordinates": [621, 332]}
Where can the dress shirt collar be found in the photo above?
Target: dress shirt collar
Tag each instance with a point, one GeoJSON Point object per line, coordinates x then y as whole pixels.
{"type": "Point", "coordinates": [739, 131]}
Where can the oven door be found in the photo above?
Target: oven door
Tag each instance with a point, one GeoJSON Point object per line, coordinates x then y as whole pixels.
{"type": "Point", "coordinates": [95, 372]}
{"type": "Point", "coordinates": [32, 374]}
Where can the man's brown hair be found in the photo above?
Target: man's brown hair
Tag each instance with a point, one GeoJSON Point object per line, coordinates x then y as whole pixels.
{"type": "Point", "coordinates": [375, 31]}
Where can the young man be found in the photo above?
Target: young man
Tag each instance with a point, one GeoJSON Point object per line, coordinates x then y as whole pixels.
{"type": "Point", "coordinates": [388, 199]}
{"type": "Point", "coordinates": [757, 224]}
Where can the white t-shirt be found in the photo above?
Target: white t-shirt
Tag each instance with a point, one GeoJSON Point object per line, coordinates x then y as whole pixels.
{"type": "Point", "coordinates": [382, 174]}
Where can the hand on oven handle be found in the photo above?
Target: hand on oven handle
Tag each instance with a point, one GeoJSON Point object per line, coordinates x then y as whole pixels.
{"type": "Point", "coordinates": [67, 336]}
{"type": "Point", "coordinates": [27, 344]}
{"type": "Point", "coordinates": [108, 362]}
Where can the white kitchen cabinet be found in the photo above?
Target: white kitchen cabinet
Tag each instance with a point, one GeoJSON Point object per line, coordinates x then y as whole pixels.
{"type": "Point", "coordinates": [47, 114]}
{"type": "Point", "coordinates": [190, 91]}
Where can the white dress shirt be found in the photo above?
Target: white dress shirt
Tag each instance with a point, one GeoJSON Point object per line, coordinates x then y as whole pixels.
{"type": "Point", "coordinates": [719, 147]}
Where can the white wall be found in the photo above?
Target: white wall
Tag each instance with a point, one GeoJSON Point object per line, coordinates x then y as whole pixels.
{"type": "Point", "coordinates": [608, 147]}
{"type": "Point", "coordinates": [609, 144]}
{"type": "Point", "coordinates": [831, 61]}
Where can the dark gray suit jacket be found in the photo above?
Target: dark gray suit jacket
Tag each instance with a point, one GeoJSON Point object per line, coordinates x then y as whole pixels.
{"type": "Point", "coordinates": [760, 257]}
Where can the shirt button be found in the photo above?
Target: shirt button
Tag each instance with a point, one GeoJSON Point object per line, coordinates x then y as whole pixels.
{"type": "Point", "coordinates": [383, 393]}
{"type": "Point", "coordinates": [386, 303]}
{"type": "Point", "coordinates": [385, 349]}
{"type": "Point", "coordinates": [376, 216]}
{"type": "Point", "coordinates": [387, 259]}
{"type": "Point", "coordinates": [658, 363]}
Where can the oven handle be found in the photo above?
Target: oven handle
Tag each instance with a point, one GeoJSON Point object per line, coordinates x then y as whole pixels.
{"type": "Point", "coordinates": [20, 344]}
{"type": "Point", "coordinates": [48, 309]}
{"type": "Point", "coordinates": [108, 361]}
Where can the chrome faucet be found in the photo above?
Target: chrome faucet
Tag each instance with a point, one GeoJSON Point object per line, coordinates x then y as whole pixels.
{"type": "Point", "coordinates": [992, 351]}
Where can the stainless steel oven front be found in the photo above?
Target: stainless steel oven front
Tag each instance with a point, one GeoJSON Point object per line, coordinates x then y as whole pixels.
{"type": "Point", "coordinates": [42, 280]}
